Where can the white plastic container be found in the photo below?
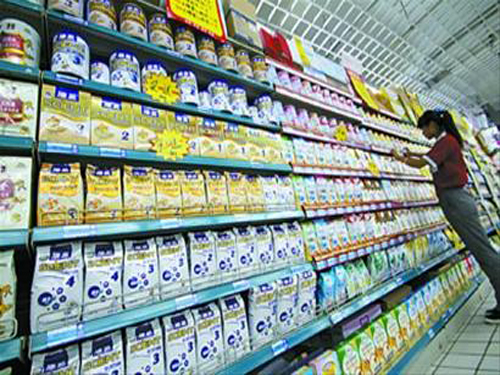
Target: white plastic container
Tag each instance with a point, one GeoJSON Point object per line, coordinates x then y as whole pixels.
{"type": "Point", "coordinates": [19, 43]}
{"type": "Point", "coordinates": [188, 86]}
{"type": "Point", "coordinates": [70, 55]}
{"type": "Point", "coordinates": [56, 293]}
{"type": "Point", "coordinates": [125, 70]}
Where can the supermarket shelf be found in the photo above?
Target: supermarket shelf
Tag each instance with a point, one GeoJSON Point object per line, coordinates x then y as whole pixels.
{"type": "Point", "coordinates": [76, 332]}
{"type": "Point", "coordinates": [360, 251]}
{"type": "Point", "coordinates": [269, 351]}
{"type": "Point", "coordinates": [421, 344]}
{"type": "Point", "coordinates": [324, 171]}
{"type": "Point", "coordinates": [145, 50]}
{"type": "Point", "coordinates": [393, 133]}
{"type": "Point", "coordinates": [313, 80]}
{"type": "Point", "coordinates": [11, 350]}
{"type": "Point", "coordinates": [15, 71]}
{"type": "Point", "coordinates": [21, 144]}
{"type": "Point", "coordinates": [381, 206]}
{"type": "Point", "coordinates": [24, 5]}
{"type": "Point", "coordinates": [102, 153]}
{"type": "Point", "coordinates": [137, 97]}
{"type": "Point", "coordinates": [13, 238]}
{"type": "Point", "coordinates": [302, 100]}
{"type": "Point", "coordinates": [316, 137]}
{"type": "Point", "coordinates": [95, 231]}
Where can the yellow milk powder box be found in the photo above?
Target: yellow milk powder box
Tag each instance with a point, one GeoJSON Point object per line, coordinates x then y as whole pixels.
{"type": "Point", "coordinates": [216, 186]}
{"type": "Point", "coordinates": [111, 123]}
{"type": "Point", "coordinates": [138, 193]}
{"type": "Point", "coordinates": [326, 364]}
{"type": "Point", "coordinates": [393, 335]}
{"type": "Point", "coordinates": [349, 359]}
{"type": "Point", "coordinates": [236, 191]}
{"type": "Point", "coordinates": [168, 193]}
{"type": "Point", "coordinates": [60, 195]}
{"type": "Point", "coordinates": [104, 194]}
{"type": "Point", "coordinates": [381, 344]}
{"type": "Point", "coordinates": [148, 124]}
{"type": "Point", "coordinates": [65, 115]}
{"type": "Point", "coordinates": [194, 198]}
{"type": "Point", "coordinates": [366, 351]}
{"type": "Point", "coordinates": [57, 289]}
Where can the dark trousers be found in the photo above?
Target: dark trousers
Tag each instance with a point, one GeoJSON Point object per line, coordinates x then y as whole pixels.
{"type": "Point", "coordinates": [460, 209]}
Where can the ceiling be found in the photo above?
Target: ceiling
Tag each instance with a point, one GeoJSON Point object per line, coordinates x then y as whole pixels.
{"type": "Point", "coordinates": [446, 50]}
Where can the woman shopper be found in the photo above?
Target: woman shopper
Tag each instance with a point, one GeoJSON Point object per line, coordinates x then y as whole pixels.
{"type": "Point", "coordinates": [447, 164]}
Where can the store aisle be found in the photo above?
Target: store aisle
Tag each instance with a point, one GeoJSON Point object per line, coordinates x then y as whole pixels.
{"type": "Point", "coordinates": [475, 349]}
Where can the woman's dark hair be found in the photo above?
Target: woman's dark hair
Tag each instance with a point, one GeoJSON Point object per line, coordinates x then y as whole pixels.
{"type": "Point", "coordinates": [445, 122]}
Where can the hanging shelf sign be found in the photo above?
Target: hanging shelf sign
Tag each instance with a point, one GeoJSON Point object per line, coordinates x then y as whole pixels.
{"type": "Point", "coordinates": [361, 89]}
{"type": "Point", "coordinates": [204, 15]}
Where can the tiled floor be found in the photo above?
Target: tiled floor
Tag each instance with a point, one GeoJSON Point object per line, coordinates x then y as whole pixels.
{"type": "Point", "coordinates": [475, 349]}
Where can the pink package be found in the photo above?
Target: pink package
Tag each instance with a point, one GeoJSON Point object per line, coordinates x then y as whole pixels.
{"type": "Point", "coordinates": [284, 79]}
{"type": "Point", "coordinates": [303, 118]}
{"type": "Point", "coordinates": [296, 84]}
{"type": "Point", "coordinates": [317, 93]}
{"type": "Point", "coordinates": [307, 88]}
{"type": "Point", "coordinates": [324, 125]}
{"type": "Point", "coordinates": [314, 121]}
{"type": "Point", "coordinates": [335, 99]}
{"type": "Point", "coordinates": [291, 115]}
{"type": "Point", "coordinates": [327, 97]}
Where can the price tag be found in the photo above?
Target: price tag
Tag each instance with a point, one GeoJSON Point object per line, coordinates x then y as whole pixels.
{"type": "Point", "coordinates": [352, 255]}
{"type": "Point", "coordinates": [322, 213]}
{"type": "Point", "coordinates": [111, 152]}
{"type": "Point", "coordinates": [369, 249]}
{"type": "Point", "coordinates": [65, 334]}
{"type": "Point", "coordinates": [332, 261]}
{"type": "Point", "coordinates": [186, 301]}
{"type": "Point", "coordinates": [373, 207]}
{"type": "Point", "coordinates": [341, 210]}
{"type": "Point", "coordinates": [350, 209]}
{"type": "Point", "coordinates": [62, 148]}
{"type": "Point", "coordinates": [342, 258]}
{"type": "Point", "coordinates": [76, 231]}
{"type": "Point", "coordinates": [357, 209]}
{"type": "Point", "coordinates": [321, 265]}
{"type": "Point", "coordinates": [169, 223]}
{"type": "Point", "coordinates": [361, 252]}
{"type": "Point", "coordinates": [332, 211]}
{"type": "Point", "coordinates": [280, 347]}
{"type": "Point", "coordinates": [241, 285]}
{"type": "Point", "coordinates": [431, 333]}
{"type": "Point", "coordinates": [377, 247]}
{"type": "Point", "coordinates": [69, 79]}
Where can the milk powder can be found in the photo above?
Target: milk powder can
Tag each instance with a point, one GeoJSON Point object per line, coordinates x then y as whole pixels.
{"type": "Point", "coordinates": [150, 68]}
{"type": "Point", "coordinates": [206, 50]}
{"type": "Point", "coordinates": [188, 86]}
{"type": "Point", "coordinates": [125, 70]}
{"type": "Point", "coordinates": [71, 7]}
{"type": "Point", "coordinates": [70, 55]}
{"type": "Point", "coordinates": [238, 100]}
{"type": "Point", "coordinates": [160, 31]}
{"type": "Point", "coordinates": [102, 13]}
{"type": "Point", "coordinates": [185, 42]}
{"type": "Point", "coordinates": [219, 92]}
{"type": "Point", "coordinates": [260, 68]}
{"type": "Point", "coordinates": [19, 43]}
{"type": "Point", "coordinates": [227, 59]}
{"type": "Point", "coordinates": [133, 21]}
{"type": "Point", "coordinates": [99, 72]}
{"type": "Point", "coordinates": [244, 65]}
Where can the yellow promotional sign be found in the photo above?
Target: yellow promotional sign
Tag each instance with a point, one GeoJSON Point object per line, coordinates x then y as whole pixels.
{"type": "Point", "coordinates": [361, 89]}
{"type": "Point", "coordinates": [172, 145]}
{"type": "Point", "coordinates": [161, 88]}
{"type": "Point", "coordinates": [373, 168]}
{"type": "Point", "coordinates": [302, 51]}
{"type": "Point", "coordinates": [204, 15]}
{"type": "Point", "coordinates": [341, 133]}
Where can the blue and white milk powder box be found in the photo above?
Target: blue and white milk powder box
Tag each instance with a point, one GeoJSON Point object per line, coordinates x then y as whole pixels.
{"type": "Point", "coordinates": [286, 305]}
{"type": "Point", "coordinates": [140, 273]}
{"type": "Point", "coordinates": [265, 246]}
{"type": "Point", "coordinates": [64, 361]}
{"type": "Point", "coordinates": [247, 253]}
{"type": "Point", "coordinates": [296, 245]}
{"type": "Point", "coordinates": [174, 266]}
{"type": "Point", "coordinates": [56, 293]}
{"type": "Point", "coordinates": [234, 327]}
{"type": "Point", "coordinates": [306, 303]}
{"type": "Point", "coordinates": [280, 243]}
{"type": "Point", "coordinates": [209, 341]}
{"type": "Point", "coordinates": [262, 313]}
{"type": "Point", "coordinates": [203, 257]}
{"type": "Point", "coordinates": [270, 189]}
{"type": "Point", "coordinates": [102, 293]}
{"type": "Point", "coordinates": [103, 355]}
{"type": "Point", "coordinates": [180, 343]}
{"type": "Point", "coordinates": [227, 255]}
{"type": "Point", "coordinates": [144, 345]}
